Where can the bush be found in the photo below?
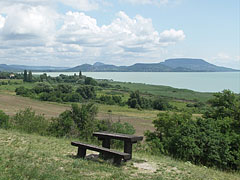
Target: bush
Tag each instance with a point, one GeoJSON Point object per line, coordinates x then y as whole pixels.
{"type": "Point", "coordinates": [4, 120]}
{"type": "Point", "coordinates": [135, 101]}
{"type": "Point", "coordinates": [27, 121]}
{"type": "Point", "coordinates": [161, 104]}
{"type": "Point", "coordinates": [78, 122]}
{"type": "Point", "coordinates": [90, 81]}
{"type": "Point", "coordinates": [87, 92]}
{"type": "Point", "coordinates": [212, 141]}
{"type": "Point", "coordinates": [63, 126]}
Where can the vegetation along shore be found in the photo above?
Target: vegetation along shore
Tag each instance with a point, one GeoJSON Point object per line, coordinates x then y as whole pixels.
{"type": "Point", "coordinates": [187, 134]}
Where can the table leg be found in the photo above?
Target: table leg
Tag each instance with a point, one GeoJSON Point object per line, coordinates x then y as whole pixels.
{"type": "Point", "coordinates": [106, 143]}
{"type": "Point", "coordinates": [81, 152]}
{"type": "Point", "coordinates": [128, 148]}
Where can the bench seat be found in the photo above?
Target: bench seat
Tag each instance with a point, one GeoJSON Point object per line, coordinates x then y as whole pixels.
{"type": "Point", "coordinates": [107, 153]}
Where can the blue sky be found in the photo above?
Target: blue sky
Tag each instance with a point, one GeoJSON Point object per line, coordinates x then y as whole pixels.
{"type": "Point", "coordinates": [120, 32]}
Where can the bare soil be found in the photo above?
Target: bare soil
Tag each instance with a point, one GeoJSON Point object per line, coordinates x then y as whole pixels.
{"type": "Point", "coordinates": [11, 104]}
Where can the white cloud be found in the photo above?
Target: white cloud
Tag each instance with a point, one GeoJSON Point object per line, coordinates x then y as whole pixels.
{"type": "Point", "coordinates": [2, 21]}
{"type": "Point", "coordinates": [226, 60]}
{"type": "Point", "coordinates": [123, 35]}
{"type": "Point", "coordinates": [154, 2]}
{"type": "Point", "coordinates": [26, 22]}
{"type": "Point", "coordinates": [83, 5]}
{"type": "Point", "coordinates": [28, 31]}
{"type": "Point", "coordinates": [171, 36]}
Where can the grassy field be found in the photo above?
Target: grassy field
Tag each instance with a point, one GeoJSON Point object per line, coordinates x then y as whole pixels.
{"type": "Point", "coordinates": [24, 156]}
{"type": "Point", "coordinates": [166, 91]}
{"type": "Point", "coordinates": [141, 120]}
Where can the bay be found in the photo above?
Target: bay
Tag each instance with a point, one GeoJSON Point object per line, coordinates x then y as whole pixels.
{"type": "Point", "coordinates": [197, 81]}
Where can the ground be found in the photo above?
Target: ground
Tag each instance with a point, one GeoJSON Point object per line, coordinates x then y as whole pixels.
{"type": "Point", "coordinates": [11, 104]}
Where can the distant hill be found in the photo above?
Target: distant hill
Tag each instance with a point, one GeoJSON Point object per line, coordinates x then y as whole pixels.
{"type": "Point", "coordinates": [194, 65]}
{"type": "Point", "coordinates": [169, 65]}
{"type": "Point", "coordinates": [4, 67]}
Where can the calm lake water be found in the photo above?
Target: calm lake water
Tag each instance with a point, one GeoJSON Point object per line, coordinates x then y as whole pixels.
{"type": "Point", "coordinates": [197, 81]}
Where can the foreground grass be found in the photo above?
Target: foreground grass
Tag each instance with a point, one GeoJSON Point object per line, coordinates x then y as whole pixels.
{"type": "Point", "coordinates": [24, 156]}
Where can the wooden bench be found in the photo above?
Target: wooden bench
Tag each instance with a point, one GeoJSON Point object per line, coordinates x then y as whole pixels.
{"type": "Point", "coordinates": [107, 153]}
{"type": "Point", "coordinates": [129, 140]}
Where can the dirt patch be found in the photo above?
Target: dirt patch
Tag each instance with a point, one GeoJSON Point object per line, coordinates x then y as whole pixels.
{"type": "Point", "coordinates": [146, 167]}
{"type": "Point", "coordinates": [11, 104]}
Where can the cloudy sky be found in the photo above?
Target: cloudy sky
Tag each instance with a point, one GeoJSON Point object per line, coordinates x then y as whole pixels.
{"type": "Point", "coordinates": [121, 32]}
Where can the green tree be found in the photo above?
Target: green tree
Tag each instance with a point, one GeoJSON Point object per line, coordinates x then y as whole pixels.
{"type": "Point", "coordinates": [25, 76]}
{"type": "Point", "coordinates": [30, 77]}
{"type": "Point", "coordinates": [80, 74]}
{"type": "Point", "coordinates": [90, 81]}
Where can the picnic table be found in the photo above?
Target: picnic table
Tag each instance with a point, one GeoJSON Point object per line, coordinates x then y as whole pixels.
{"type": "Point", "coordinates": [106, 137]}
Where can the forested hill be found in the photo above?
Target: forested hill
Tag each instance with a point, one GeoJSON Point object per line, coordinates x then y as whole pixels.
{"type": "Point", "coordinates": [169, 65]}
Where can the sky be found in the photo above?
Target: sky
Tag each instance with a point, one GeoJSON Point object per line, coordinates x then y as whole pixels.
{"type": "Point", "coordinates": [68, 33]}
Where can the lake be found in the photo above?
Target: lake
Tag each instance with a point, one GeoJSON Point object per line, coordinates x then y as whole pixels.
{"type": "Point", "coordinates": [197, 81]}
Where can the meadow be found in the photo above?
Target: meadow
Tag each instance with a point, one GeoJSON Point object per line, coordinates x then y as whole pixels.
{"type": "Point", "coordinates": [31, 156]}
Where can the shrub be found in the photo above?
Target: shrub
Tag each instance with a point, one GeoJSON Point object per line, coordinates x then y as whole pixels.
{"type": "Point", "coordinates": [161, 104]}
{"type": "Point", "coordinates": [4, 120]}
{"type": "Point", "coordinates": [115, 127]}
{"type": "Point", "coordinates": [135, 101]}
{"type": "Point", "coordinates": [87, 92]}
{"type": "Point", "coordinates": [212, 141]}
{"type": "Point", "coordinates": [43, 87]}
{"type": "Point", "coordinates": [79, 122]}
{"type": "Point", "coordinates": [63, 126]}
{"type": "Point", "coordinates": [27, 121]}
{"type": "Point", "coordinates": [90, 81]}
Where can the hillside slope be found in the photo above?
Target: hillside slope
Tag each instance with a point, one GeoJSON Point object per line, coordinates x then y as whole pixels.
{"type": "Point", "coordinates": [169, 65]}
{"type": "Point", "coordinates": [24, 156]}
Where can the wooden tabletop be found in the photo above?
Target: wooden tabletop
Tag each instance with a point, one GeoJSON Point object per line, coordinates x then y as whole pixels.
{"type": "Point", "coordinates": [124, 137]}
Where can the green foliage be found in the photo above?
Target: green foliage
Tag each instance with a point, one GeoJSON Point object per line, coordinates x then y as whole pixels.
{"type": "Point", "coordinates": [27, 121]}
{"type": "Point", "coordinates": [90, 81]}
{"type": "Point", "coordinates": [25, 76]}
{"type": "Point", "coordinates": [212, 141]}
{"type": "Point", "coordinates": [111, 100]}
{"type": "Point", "coordinates": [115, 127]}
{"type": "Point", "coordinates": [43, 87]}
{"type": "Point", "coordinates": [30, 77]}
{"type": "Point", "coordinates": [79, 122]}
{"type": "Point", "coordinates": [135, 101]}
{"type": "Point", "coordinates": [161, 104]}
{"type": "Point", "coordinates": [24, 91]}
{"type": "Point", "coordinates": [63, 126]}
{"type": "Point", "coordinates": [4, 120]}
{"type": "Point", "coordinates": [87, 92]}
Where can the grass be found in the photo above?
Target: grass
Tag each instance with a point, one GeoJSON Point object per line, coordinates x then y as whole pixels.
{"type": "Point", "coordinates": [166, 91]}
{"type": "Point", "coordinates": [14, 83]}
{"type": "Point", "coordinates": [28, 156]}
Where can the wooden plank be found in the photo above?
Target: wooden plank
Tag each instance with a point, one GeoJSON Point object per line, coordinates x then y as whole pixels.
{"type": "Point", "coordinates": [124, 137]}
{"type": "Point", "coordinates": [125, 156]}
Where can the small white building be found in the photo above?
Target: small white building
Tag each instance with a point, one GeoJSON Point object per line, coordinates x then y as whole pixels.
{"type": "Point", "coordinates": [12, 76]}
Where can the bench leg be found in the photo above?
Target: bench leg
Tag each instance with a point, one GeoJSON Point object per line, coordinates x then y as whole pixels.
{"type": "Point", "coordinates": [106, 144]}
{"type": "Point", "coordinates": [81, 152]}
{"type": "Point", "coordinates": [117, 160]}
{"type": "Point", "coordinates": [128, 148]}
